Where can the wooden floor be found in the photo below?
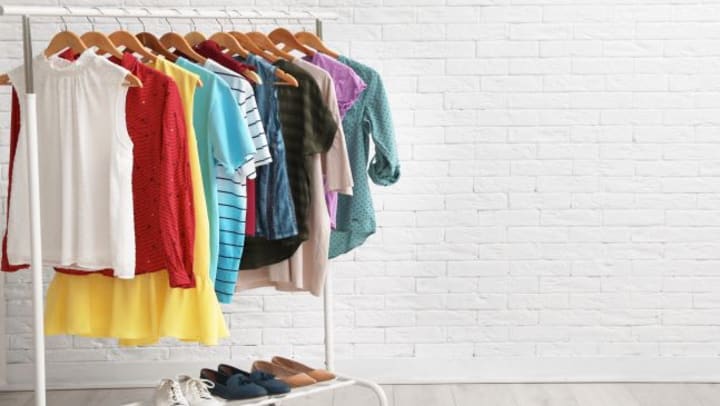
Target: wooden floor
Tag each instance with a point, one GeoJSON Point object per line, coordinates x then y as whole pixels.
{"type": "Point", "coordinates": [620, 394]}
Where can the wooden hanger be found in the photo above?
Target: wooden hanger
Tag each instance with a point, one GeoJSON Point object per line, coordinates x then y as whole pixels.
{"type": "Point", "coordinates": [229, 42]}
{"type": "Point", "coordinates": [131, 43]}
{"type": "Point", "coordinates": [64, 40]}
{"type": "Point", "coordinates": [312, 40]}
{"type": "Point", "coordinates": [150, 41]}
{"type": "Point", "coordinates": [102, 42]}
{"type": "Point", "coordinates": [174, 40]}
{"type": "Point", "coordinates": [283, 36]}
{"type": "Point", "coordinates": [264, 43]}
{"type": "Point", "coordinates": [5, 80]}
{"type": "Point", "coordinates": [246, 42]}
{"type": "Point", "coordinates": [133, 81]}
{"type": "Point", "coordinates": [286, 78]}
{"type": "Point", "coordinates": [194, 38]}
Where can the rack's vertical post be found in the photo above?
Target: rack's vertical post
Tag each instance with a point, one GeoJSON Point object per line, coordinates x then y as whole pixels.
{"type": "Point", "coordinates": [35, 231]}
{"type": "Point", "coordinates": [327, 291]}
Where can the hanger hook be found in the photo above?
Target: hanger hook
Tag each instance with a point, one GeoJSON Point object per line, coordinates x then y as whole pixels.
{"type": "Point", "coordinates": [230, 19]}
{"type": "Point", "coordinates": [192, 20]}
{"type": "Point", "coordinates": [62, 18]}
{"type": "Point", "coordinates": [312, 16]}
{"type": "Point", "coordinates": [142, 22]}
{"type": "Point", "coordinates": [222, 28]}
{"type": "Point", "coordinates": [102, 13]}
{"type": "Point", "coordinates": [258, 14]}
{"type": "Point", "coordinates": [117, 19]}
{"type": "Point", "coordinates": [167, 20]}
{"type": "Point", "coordinates": [92, 23]}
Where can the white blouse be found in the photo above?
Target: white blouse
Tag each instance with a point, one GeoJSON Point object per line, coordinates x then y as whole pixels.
{"type": "Point", "coordinates": [85, 162]}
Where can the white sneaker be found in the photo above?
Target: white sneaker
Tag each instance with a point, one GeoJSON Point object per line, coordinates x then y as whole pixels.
{"type": "Point", "coordinates": [168, 393]}
{"type": "Point", "coordinates": [196, 391]}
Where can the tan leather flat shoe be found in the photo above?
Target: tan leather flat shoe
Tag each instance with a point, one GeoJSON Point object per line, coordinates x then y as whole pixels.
{"type": "Point", "coordinates": [290, 377]}
{"type": "Point", "coordinates": [319, 375]}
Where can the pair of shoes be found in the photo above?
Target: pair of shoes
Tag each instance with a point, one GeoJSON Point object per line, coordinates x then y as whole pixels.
{"type": "Point", "coordinates": [292, 372]}
{"type": "Point", "coordinates": [235, 384]}
{"type": "Point", "coordinates": [185, 391]}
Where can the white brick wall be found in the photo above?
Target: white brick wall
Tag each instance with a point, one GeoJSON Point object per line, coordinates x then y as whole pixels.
{"type": "Point", "coordinates": [560, 191]}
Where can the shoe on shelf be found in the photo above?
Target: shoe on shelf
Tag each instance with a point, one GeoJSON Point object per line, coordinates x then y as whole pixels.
{"type": "Point", "coordinates": [235, 387]}
{"type": "Point", "coordinates": [273, 386]}
{"type": "Point", "coordinates": [168, 393]}
{"type": "Point", "coordinates": [292, 378]}
{"type": "Point", "coordinates": [319, 375]}
{"type": "Point", "coordinates": [196, 391]}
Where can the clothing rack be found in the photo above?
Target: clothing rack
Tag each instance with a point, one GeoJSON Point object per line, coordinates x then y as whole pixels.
{"type": "Point", "coordinates": [28, 12]}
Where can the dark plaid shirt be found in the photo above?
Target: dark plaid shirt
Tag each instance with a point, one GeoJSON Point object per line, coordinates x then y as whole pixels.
{"type": "Point", "coordinates": [308, 128]}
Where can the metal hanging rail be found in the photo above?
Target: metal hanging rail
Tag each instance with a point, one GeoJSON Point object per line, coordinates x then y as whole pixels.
{"type": "Point", "coordinates": [26, 12]}
{"type": "Point", "coordinates": [169, 12]}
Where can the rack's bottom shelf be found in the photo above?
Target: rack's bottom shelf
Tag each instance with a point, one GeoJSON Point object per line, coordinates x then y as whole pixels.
{"type": "Point", "coordinates": [338, 383]}
{"type": "Point", "coordinates": [296, 393]}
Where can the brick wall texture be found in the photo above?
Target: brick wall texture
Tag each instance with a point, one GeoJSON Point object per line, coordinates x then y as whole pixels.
{"type": "Point", "coordinates": [560, 189]}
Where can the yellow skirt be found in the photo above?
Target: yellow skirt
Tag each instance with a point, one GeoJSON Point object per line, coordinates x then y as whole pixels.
{"type": "Point", "coordinates": [137, 311]}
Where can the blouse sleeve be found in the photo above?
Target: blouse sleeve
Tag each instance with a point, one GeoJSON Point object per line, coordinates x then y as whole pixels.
{"type": "Point", "coordinates": [177, 215]}
{"type": "Point", "coordinates": [232, 145]}
{"type": "Point", "coordinates": [384, 168]}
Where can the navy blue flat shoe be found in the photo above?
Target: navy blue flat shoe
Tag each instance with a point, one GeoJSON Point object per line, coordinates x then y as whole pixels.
{"type": "Point", "coordinates": [273, 386]}
{"type": "Point", "coordinates": [236, 387]}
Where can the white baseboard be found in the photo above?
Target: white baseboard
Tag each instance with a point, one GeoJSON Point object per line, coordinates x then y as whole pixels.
{"type": "Point", "coordinates": [123, 374]}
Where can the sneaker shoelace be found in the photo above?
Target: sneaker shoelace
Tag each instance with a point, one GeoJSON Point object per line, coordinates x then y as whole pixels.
{"type": "Point", "coordinates": [199, 388]}
{"type": "Point", "coordinates": [174, 393]}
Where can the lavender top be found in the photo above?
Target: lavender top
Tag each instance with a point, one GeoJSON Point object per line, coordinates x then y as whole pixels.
{"type": "Point", "coordinates": [348, 85]}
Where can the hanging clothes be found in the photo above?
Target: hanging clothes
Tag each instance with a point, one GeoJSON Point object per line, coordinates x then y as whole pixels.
{"type": "Point", "coordinates": [232, 196]}
{"type": "Point", "coordinates": [217, 121]}
{"type": "Point", "coordinates": [336, 164]}
{"type": "Point", "coordinates": [348, 88]}
{"type": "Point", "coordinates": [70, 96]}
{"type": "Point", "coordinates": [308, 128]}
{"type": "Point", "coordinates": [212, 51]}
{"type": "Point", "coordinates": [143, 310]}
{"type": "Point", "coordinates": [162, 187]}
{"type": "Point", "coordinates": [368, 118]}
{"type": "Point", "coordinates": [275, 210]}
{"type": "Point", "coordinates": [306, 268]}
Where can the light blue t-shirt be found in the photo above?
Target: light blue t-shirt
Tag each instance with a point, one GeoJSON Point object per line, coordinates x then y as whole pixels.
{"type": "Point", "coordinates": [232, 191]}
{"type": "Point", "coordinates": [224, 143]}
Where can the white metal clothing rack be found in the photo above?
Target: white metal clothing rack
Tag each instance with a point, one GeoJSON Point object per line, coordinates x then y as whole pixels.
{"type": "Point", "coordinates": [27, 12]}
